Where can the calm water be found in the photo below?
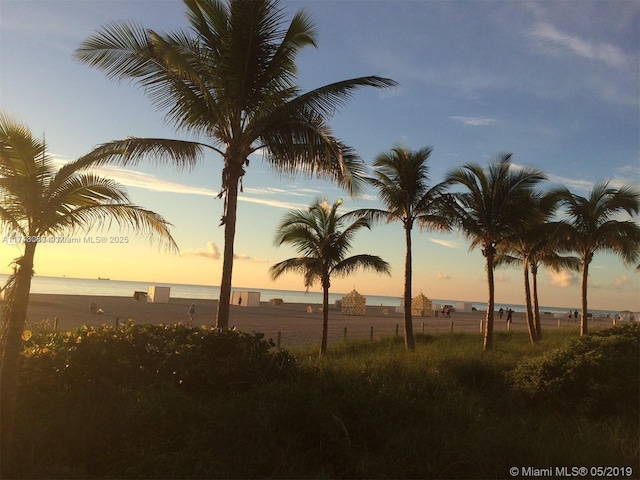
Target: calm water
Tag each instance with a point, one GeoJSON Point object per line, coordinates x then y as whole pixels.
{"type": "Point", "coordinates": [87, 286]}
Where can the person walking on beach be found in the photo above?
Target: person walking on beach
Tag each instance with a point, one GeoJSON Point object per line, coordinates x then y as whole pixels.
{"type": "Point", "coordinates": [509, 315]}
{"type": "Point", "coordinates": [501, 312]}
{"type": "Point", "coordinates": [191, 312]}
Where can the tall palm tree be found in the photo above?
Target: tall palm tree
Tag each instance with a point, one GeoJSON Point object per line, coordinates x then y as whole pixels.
{"type": "Point", "coordinates": [401, 177]}
{"type": "Point", "coordinates": [594, 226]}
{"type": "Point", "coordinates": [521, 248]}
{"type": "Point", "coordinates": [39, 201]}
{"type": "Point", "coordinates": [489, 209]}
{"type": "Point", "coordinates": [323, 238]}
{"type": "Point", "coordinates": [545, 251]}
{"type": "Point", "coordinates": [231, 79]}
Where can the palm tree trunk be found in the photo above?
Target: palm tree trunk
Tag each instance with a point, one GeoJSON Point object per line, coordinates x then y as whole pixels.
{"type": "Point", "coordinates": [230, 214]}
{"type": "Point", "coordinates": [11, 344]}
{"type": "Point", "coordinates": [584, 328]}
{"type": "Point", "coordinates": [533, 337]}
{"type": "Point", "coordinates": [409, 341]}
{"type": "Point", "coordinates": [536, 303]}
{"type": "Point", "coordinates": [488, 329]}
{"type": "Point", "coordinates": [325, 318]}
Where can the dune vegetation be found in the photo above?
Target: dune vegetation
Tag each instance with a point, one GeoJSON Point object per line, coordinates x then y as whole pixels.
{"type": "Point", "coordinates": [143, 401]}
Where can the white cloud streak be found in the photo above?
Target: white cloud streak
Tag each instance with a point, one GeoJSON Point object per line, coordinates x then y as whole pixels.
{"type": "Point", "coordinates": [474, 121]}
{"type": "Point", "coordinates": [555, 41]}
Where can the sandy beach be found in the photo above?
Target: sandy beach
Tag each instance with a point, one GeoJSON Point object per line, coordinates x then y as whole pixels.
{"type": "Point", "coordinates": [297, 326]}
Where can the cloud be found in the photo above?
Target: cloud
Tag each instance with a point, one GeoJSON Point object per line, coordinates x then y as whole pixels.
{"type": "Point", "coordinates": [474, 121]}
{"type": "Point", "coordinates": [620, 282]}
{"type": "Point", "coordinates": [562, 278]}
{"type": "Point", "coordinates": [445, 243]}
{"type": "Point", "coordinates": [443, 276]}
{"type": "Point", "coordinates": [147, 181]}
{"type": "Point", "coordinates": [555, 42]}
{"type": "Point", "coordinates": [212, 251]}
{"type": "Point", "coordinates": [500, 278]}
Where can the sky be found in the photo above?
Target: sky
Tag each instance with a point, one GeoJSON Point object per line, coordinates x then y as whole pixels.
{"type": "Point", "coordinates": [554, 83]}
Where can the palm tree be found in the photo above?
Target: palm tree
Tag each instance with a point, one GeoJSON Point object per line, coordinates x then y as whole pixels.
{"type": "Point", "coordinates": [523, 249]}
{"type": "Point", "coordinates": [593, 227]}
{"type": "Point", "coordinates": [489, 210]}
{"type": "Point", "coordinates": [545, 251]}
{"type": "Point", "coordinates": [231, 79]}
{"type": "Point", "coordinates": [323, 238]}
{"type": "Point", "coordinates": [37, 201]}
{"type": "Point", "coordinates": [401, 178]}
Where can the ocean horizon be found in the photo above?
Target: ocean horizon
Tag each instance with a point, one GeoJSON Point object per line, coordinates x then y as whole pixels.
{"type": "Point", "coordinates": [126, 288]}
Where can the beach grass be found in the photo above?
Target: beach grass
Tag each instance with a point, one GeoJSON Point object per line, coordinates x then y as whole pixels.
{"type": "Point", "coordinates": [367, 409]}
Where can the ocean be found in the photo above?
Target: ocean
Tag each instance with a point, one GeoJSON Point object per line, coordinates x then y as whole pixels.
{"type": "Point", "coordinates": [122, 288]}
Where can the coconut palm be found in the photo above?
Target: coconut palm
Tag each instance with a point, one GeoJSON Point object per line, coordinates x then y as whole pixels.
{"type": "Point", "coordinates": [524, 246]}
{"type": "Point", "coordinates": [489, 209]}
{"type": "Point", "coordinates": [402, 181]}
{"type": "Point", "coordinates": [39, 201]}
{"type": "Point", "coordinates": [323, 238]}
{"type": "Point", "coordinates": [231, 79]}
{"type": "Point", "coordinates": [545, 251]}
{"type": "Point", "coordinates": [593, 226]}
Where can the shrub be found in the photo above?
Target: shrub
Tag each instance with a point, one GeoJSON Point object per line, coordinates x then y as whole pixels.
{"type": "Point", "coordinates": [598, 373]}
{"type": "Point", "coordinates": [195, 360]}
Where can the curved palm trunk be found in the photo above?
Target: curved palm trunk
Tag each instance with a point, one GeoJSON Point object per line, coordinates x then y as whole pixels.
{"type": "Point", "coordinates": [222, 316]}
{"type": "Point", "coordinates": [584, 328]}
{"type": "Point", "coordinates": [536, 304]}
{"type": "Point", "coordinates": [529, 310]}
{"type": "Point", "coordinates": [325, 317]}
{"type": "Point", "coordinates": [409, 340]}
{"type": "Point", "coordinates": [16, 312]}
{"type": "Point", "coordinates": [488, 329]}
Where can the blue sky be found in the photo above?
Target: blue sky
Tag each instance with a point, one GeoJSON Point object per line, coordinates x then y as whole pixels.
{"type": "Point", "coordinates": [556, 83]}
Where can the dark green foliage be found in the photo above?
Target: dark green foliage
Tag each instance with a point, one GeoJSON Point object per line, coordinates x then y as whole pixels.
{"type": "Point", "coordinates": [597, 374]}
{"type": "Point", "coordinates": [365, 410]}
{"type": "Point", "coordinates": [195, 360]}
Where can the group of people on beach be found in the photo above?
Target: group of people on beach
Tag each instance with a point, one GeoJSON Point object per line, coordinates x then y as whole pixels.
{"type": "Point", "coordinates": [573, 316]}
{"type": "Point", "coordinates": [509, 314]}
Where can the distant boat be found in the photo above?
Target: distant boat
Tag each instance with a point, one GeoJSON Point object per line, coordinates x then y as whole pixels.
{"type": "Point", "coordinates": [100, 278]}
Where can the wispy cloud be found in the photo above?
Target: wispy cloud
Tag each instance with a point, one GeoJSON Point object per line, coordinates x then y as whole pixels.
{"type": "Point", "coordinates": [146, 181]}
{"type": "Point", "coordinates": [212, 251]}
{"type": "Point", "coordinates": [562, 278]}
{"type": "Point", "coordinates": [474, 121]}
{"type": "Point", "coordinates": [556, 42]}
{"type": "Point", "coordinates": [443, 276]}
{"type": "Point", "coordinates": [446, 243]}
{"type": "Point", "coordinates": [501, 278]}
{"type": "Point", "coordinates": [620, 282]}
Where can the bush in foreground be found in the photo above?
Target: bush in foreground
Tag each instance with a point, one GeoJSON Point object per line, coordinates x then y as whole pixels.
{"type": "Point", "coordinates": [365, 410]}
{"type": "Point", "coordinates": [131, 355]}
{"type": "Point", "coordinates": [596, 374]}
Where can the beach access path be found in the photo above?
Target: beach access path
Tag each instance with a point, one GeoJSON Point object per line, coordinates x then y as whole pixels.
{"type": "Point", "coordinates": [295, 323]}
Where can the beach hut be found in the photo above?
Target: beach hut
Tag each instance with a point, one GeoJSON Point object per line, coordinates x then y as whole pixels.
{"type": "Point", "coordinates": [354, 304]}
{"type": "Point", "coordinates": [246, 299]}
{"type": "Point", "coordinates": [421, 306]}
{"type": "Point", "coordinates": [156, 294]}
{"type": "Point", "coordinates": [463, 307]}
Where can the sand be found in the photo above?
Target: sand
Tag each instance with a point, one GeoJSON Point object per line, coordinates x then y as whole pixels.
{"type": "Point", "coordinates": [296, 325]}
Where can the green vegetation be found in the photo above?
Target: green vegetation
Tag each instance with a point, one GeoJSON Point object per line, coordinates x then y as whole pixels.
{"type": "Point", "coordinates": [146, 401]}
